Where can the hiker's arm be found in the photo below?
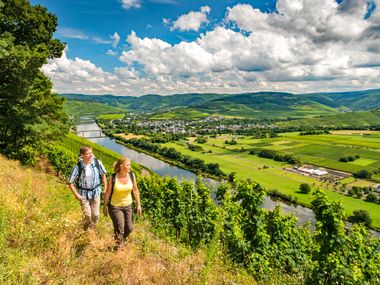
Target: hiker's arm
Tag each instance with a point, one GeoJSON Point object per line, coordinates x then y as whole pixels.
{"type": "Point", "coordinates": [75, 192]}
{"type": "Point", "coordinates": [104, 180]}
{"type": "Point", "coordinates": [136, 194]}
{"type": "Point", "coordinates": [73, 177]}
{"type": "Point", "coordinates": [107, 192]}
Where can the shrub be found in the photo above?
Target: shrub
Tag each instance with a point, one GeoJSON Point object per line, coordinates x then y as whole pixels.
{"type": "Point", "coordinates": [305, 188]}
{"type": "Point", "coordinates": [360, 217]}
{"type": "Point", "coordinates": [371, 197]}
{"type": "Point", "coordinates": [363, 174]}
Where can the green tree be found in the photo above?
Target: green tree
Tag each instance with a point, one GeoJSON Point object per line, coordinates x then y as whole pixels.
{"type": "Point", "coordinates": [363, 174]}
{"type": "Point", "coordinates": [30, 115]}
{"type": "Point", "coordinates": [360, 216]}
{"type": "Point", "coordinates": [305, 188]}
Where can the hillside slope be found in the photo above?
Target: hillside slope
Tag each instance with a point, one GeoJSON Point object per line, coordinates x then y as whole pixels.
{"type": "Point", "coordinates": [266, 104]}
{"type": "Point", "coordinates": [255, 104]}
{"type": "Point", "coordinates": [41, 242]}
{"type": "Point", "coordinates": [147, 103]}
{"type": "Point", "coordinates": [351, 119]}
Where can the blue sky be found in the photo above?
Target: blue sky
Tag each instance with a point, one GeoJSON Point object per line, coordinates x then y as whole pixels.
{"type": "Point", "coordinates": [135, 47]}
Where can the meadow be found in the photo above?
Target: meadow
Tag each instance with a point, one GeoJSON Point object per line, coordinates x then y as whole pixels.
{"type": "Point", "coordinates": [322, 150]}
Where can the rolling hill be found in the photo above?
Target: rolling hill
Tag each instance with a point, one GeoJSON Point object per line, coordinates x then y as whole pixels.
{"type": "Point", "coordinates": [352, 119]}
{"type": "Point", "coordinates": [259, 104]}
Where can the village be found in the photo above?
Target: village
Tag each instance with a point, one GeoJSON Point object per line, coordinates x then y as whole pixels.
{"type": "Point", "coordinates": [208, 125]}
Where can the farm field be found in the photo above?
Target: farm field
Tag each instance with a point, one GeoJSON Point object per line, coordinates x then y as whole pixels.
{"type": "Point", "coordinates": [129, 136]}
{"type": "Point", "coordinates": [111, 116]}
{"type": "Point", "coordinates": [323, 150]}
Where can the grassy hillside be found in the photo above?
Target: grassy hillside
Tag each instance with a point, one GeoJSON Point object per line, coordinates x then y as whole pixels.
{"type": "Point", "coordinates": [266, 104]}
{"type": "Point", "coordinates": [351, 119]}
{"type": "Point", "coordinates": [41, 242]}
{"type": "Point", "coordinates": [92, 109]}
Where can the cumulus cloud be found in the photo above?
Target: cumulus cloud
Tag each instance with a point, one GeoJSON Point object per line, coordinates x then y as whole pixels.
{"type": "Point", "coordinates": [116, 39]}
{"type": "Point", "coordinates": [128, 4]}
{"type": "Point", "coordinates": [192, 20]}
{"type": "Point", "coordinates": [294, 50]}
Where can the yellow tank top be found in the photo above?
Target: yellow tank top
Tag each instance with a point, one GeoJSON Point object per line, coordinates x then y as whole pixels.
{"type": "Point", "coordinates": [121, 195]}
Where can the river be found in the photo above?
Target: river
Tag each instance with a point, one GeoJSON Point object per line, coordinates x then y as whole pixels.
{"type": "Point", "coordinates": [165, 169]}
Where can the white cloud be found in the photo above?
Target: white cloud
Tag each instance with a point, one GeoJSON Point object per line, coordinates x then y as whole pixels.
{"type": "Point", "coordinates": [192, 20]}
{"type": "Point", "coordinates": [128, 4]}
{"type": "Point", "coordinates": [116, 39]}
{"type": "Point", "coordinates": [294, 50]}
{"type": "Point", "coordinates": [77, 34]}
{"type": "Point", "coordinates": [111, 52]}
{"type": "Point", "coordinates": [166, 21]}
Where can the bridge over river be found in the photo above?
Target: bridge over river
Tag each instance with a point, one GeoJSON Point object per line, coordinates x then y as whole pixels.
{"type": "Point", "coordinates": [91, 134]}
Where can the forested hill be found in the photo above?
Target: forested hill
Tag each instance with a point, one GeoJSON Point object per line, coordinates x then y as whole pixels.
{"type": "Point", "coordinates": [355, 100]}
{"type": "Point", "coordinates": [148, 103]}
{"type": "Point", "coordinates": [247, 104]}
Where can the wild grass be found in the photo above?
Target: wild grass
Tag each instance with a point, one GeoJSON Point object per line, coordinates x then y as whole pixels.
{"type": "Point", "coordinates": [42, 242]}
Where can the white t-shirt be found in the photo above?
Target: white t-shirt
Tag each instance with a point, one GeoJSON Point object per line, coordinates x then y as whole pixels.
{"type": "Point", "coordinates": [87, 169]}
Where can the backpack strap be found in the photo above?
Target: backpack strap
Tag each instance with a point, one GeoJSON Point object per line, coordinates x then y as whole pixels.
{"type": "Point", "coordinates": [113, 177]}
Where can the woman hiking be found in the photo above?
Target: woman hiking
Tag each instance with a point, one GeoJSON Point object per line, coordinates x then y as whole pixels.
{"type": "Point", "coordinates": [118, 199]}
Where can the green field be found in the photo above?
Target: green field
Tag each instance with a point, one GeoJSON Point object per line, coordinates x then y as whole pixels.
{"type": "Point", "coordinates": [324, 150]}
{"type": "Point", "coordinates": [321, 150]}
{"type": "Point", "coordinates": [111, 116]}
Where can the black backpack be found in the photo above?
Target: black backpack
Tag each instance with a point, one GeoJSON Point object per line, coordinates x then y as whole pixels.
{"type": "Point", "coordinates": [113, 177]}
{"type": "Point", "coordinates": [81, 169]}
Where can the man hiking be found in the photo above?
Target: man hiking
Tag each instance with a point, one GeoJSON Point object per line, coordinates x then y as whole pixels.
{"type": "Point", "coordinates": [85, 182]}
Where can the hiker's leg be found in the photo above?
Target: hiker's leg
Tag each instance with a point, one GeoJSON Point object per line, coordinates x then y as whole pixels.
{"type": "Point", "coordinates": [117, 217]}
{"type": "Point", "coordinates": [95, 210]}
{"type": "Point", "coordinates": [128, 226]}
{"type": "Point", "coordinates": [86, 210]}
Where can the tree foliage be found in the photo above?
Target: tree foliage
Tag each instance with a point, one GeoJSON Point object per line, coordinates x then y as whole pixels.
{"type": "Point", "coordinates": [30, 115]}
{"type": "Point", "coordinates": [360, 216]}
{"type": "Point", "coordinates": [305, 188]}
{"type": "Point", "coordinates": [342, 257]}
